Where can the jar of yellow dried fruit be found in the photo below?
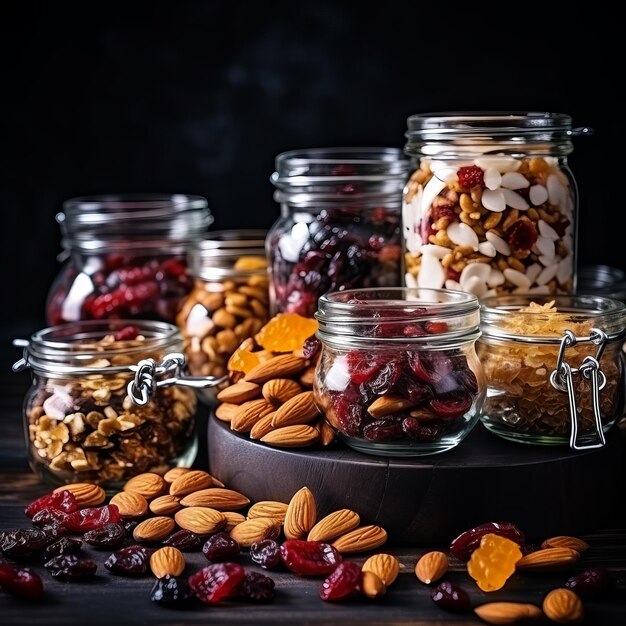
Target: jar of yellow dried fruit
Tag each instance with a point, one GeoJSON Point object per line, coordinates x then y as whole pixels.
{"type": "Point", "coordinates": [554, 367]}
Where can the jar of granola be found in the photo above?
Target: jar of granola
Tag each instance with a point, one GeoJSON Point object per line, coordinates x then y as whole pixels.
{"type": "Point", "coordinates": [124, 256]}
{"type": "Point", "coordinates": [107, 401]}
{"type": "Point", "coordinates": [339, 226]}
{"type": "Point", "coordinates": [398, 374]}
{"type": "Point", "coordinates": [553, 367]}
{"type": "Point", "coordinates": [229, 301]}
{"type": "Point", "coordinates": [490, 206]}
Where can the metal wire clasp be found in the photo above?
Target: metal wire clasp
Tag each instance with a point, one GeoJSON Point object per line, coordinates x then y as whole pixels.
{"type": "Point", "coordinates": [148, 377]}
{"type": "Point", "coordinates": [562, 379]}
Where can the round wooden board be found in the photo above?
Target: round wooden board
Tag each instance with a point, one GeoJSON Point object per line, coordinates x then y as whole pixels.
{"type": "Point", "coordinates": [546, 491]}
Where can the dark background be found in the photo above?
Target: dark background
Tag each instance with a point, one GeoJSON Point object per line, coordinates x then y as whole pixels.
{"type": "Point", "coordinates": [199, 97]}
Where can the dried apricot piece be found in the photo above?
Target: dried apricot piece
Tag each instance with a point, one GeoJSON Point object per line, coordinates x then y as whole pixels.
{"type": "Point", "coordinates": [242, 360]}
{"type": "Point", "coordinates": [286, 332]}
{"type": "Point", "coordinates": [492, 564]}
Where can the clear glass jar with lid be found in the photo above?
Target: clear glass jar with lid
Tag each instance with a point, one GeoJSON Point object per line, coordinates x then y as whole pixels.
{"type": "Point", "coordinates": [398, 374]}
{"type": "Point", "coordinates": [339, 226]}
{"type": "Point", "coordinates": [125, 256]}
{"type": "Point", "coordinates": [491, 204]}
{"type": "Point", "coordinates": [229, 301]}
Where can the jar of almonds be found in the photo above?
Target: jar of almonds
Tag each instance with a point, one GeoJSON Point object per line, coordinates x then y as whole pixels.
{"type": "Point", "coordinates": [108, 400]}
{"type": "Point", "coordinates": [229, 301]}
{"type": "Point", "coordinates": [491, 204]}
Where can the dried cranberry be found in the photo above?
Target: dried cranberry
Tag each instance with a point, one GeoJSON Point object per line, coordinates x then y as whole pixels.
{"type": "Point", "coordinates": [266, 553]}
{"type": "Point", "coordinates": [463, 545]}
{"type": "Point", "coordinates": [21, 582]}
{"type": "Point", "coordinates": [130, 561]}
{"type": "Point", "coordinates": [92, 518]}
{"type": "Point", "coordinates": [362, 366]}
{"type": "Point", "coordinates": [70, 567]}
{"type": "Point", "coordinates": [110, 536]}
{"type": "Point", "coordinates": [128, 333]}
{"type": "Point", "coordinates": [384, 429]}
{"type": "Point", "coordinates": [311, 347]}
{"type": "Point", "coordinates": [309, 558]}
{"type": "Point", "coordinates": [49, 518]}
{"type": "Point", "coordinates": [216, 582]}
{"type": "Point", "coordinates": [522, 235]}
{"type": "Point", "coordinates": [445, 211]}
{"type": "Point", "coordinates": [59, 501]}
{"type": "Point", "coordinates": [385, 378]}
{"type": "Point", "coordinates": [451, 404]}
{"type": "Point", "coordinates": [467, 379]}
{"type": "Point", "coordinates": [342, 583]}
{"type": "Point", "coordinates": [184, 540]}
{"type": "Point", "coordinates": [62, 546]}
{"type": "Point", "coordinates": [23, 542]}
{"type": "Point", "coordinates": [220, 548]}
{"type": "Point", "coordinates": [469, 176]}
{"type": "Point", "coordinates": [171, 591]}
{"type": "Point", "coordinates": [594, 582]}
{"type": "Point", "coordinates": [257, 587]}
{"type": "Point", "coordinates": [418, 431]}
{"type": "Point", "coordinates": [413, 390]}
{"type": "Point", "coordinates": [348, 415]}
{"type": "Point", "coordinates": [429, 367]}
{"type": "Point", "coordinates": [450, 597]}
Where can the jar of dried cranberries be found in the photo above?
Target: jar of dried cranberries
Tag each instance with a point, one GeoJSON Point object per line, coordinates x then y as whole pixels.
{"type": "Point", "coordinates": [491, 204]}
{"type": "Point", "coordinates": [398, 374]}
{"type": "Point", "coordinates": [554, 367]}
{"type": "Point", "coordinates": [229, 302]}
{"type": "Point", "coordinates": [339, 226]}
{"type": "Point", "coordinates": [125, 256]}
{"type": "Point", "coordinates": [108, 400]}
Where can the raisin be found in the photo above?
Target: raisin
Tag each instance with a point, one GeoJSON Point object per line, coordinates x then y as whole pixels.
{"type": "Point", "coordinates": [21, 582]}
{"type": "Point", "coordinates": [266, 553]}
{"type": "Point", "coordinates": [130, 561]}
{"type": "Point", "coordinates": [62, 546]}
{"type": "Point", "coordinates": [59, 501]}
{"type": "Point", "coordinates": [413, 390]}
{"type": "Point", "coordinates": [23, 542]}
{"type": "Point", "coordinates": [463, 545]}
{"type": "Point", "coordinates": [450, 597]}
{"type": "Point", "coordinates": [385, 378]}
{"type": "Point", "coordinates": [129, 526]}
{"type": "Point", "coordinates": [384, 429]}
{"type": "Point", "coordinates": [469, 176]}
{"type": "Point", "coordinates": [92, 518]}
{"type": "Point", "coordinates": [348, 414]}
{"type": "Point", "coordinates": [418, 431]}
{"type": "Point", "coordinates": [311, 347]}
{"type": "Point", "coordinates": [216, 582]}
{"type": "Point", "coordinates": [429, 368]}
{"type": "Point", "coordinates": [220, 548]}
{"type": "Point", "coordinates": [171, 591]}
{"type": "Point", "coordinates": [46, 518]}
{"type": "Point", "coordinates": [342, 583]}
{"type": "Point", "coordinates": [451, 404]}
{"type": "Point", "coordinates": [70, 567]}
{"type": "Point", "coordinates": [110, 536]}
{"type": "Point", "coordinates": [309, 558]}
{"type": "Point", "coordinates": [594, 582]}
{"type": "Point", "coordinates": [184, 540]}
{"type": "Point", "coordinates": [257, 587]}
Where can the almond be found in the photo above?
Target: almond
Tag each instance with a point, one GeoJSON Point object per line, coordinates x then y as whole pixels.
{"type": "Point", "coordinates": [130, 504]}
{"type": "Point", "coordinates": [372, 586]}
{"type": "Point", "coordinates": [307, 378]}
{"type": "Point", "coordinates": [299, 410]}
{"type": "Point", "coordinates": [249, 414]}
{"type": "Point", "coordinates": [269, 508]}
{"type": "Point", "coordinates": [149, 485]}
{"type": "Point", "coordinates": [262, 427]}
{"type": "Point", "coordinates": [167, 560]}
{"type": "Point", "coordinates": [548, 559]}
{"type": "Point", "coordinates": [361, 539]}
{"type": "Point", "coordinates": [507, 612]}
{"type": "Point", "coordinates": [564, 541]}
{"type": "Point", "coordinates": [563, 606]}
{"type": "Point", "coordinates": [86, 494]}
{"type": "Point", "coordinates": [281, 366]}
{"type": "Point", "coordinates": [153, 529]}
{"type": "Point", "coordinates": [301, 514]}
{"type": "Point", "coordinates": [232, 519]}
{"type": "Point", "coordinates": [171, 475]}
{"type": "Point", "coordinates": [431, 567]}
{"type": "Point", "coordinates": [201, 520]}
{"type": "Point", "coordinates": [255, 530]}
{"type": "Point", "coordinates": [388, 404]}
{"type": "Point", "coordinates": [296, 436]}
{"type": "Point", "coordinates": [334, 525]}
{"type": "Point", "coordinates": [216, 498]}
{"type": "Point", "coordinates": [190, 482]}
{"type": "Point", "coordinates": [279, 390]}
{"type": "Point", "coordinates": [165, 505]}
{"type": "Point", "coordinates": [385, 566]}
{"type": "Point", "coordinates": [226, 411]}
{"type": "Point", "coordinates": [239, 393]}
{"type": "Point", "coordinates": [327, 434]}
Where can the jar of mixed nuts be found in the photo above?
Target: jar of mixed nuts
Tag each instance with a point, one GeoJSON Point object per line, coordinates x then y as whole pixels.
{"type": "Point", "coordinates": [491, 204]}
{"type": "Point", "coordinates": [339, 226]}
{"type": "Point", "coordinates": [107, 401]}
{"type": "Point", "coordinates": [398, 374]}
{"type": "Point", "coordinates": [229, 302]}
{"type": "Point", "coordinates": [125, 256]}
{"type": "Point", "coordinates": [553, 367]}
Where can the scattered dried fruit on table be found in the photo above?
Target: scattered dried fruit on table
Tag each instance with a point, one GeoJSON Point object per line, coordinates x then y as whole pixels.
{"type": "Point", "coordinates": [493, 562]}
{"type": "Point", "coordinates": [110, 536]}
{"type": "Point", "coordinates": [92, 518]}
{"type": "Point", "coordinates": [130, 561]}
{"type": "Point", "coordinates": [21, 582]}
{"type": "Point", "coordinates": [63, 500]}
{"type": "Point", "coordinates": [464, 544]}
{"type": "Point", "coordinates": [257, 587]}
{"type": "Point", "coordinates": [184, 540]}
{"type": "Point", "coordinates": [171, 591]}
{"type": "Point", "coordinates": [309, 558]}
{"type": "Point", "coordinates": [450, 597]}
{"type": "Point", "coordinates": [70, 567]}
{"type": "Point", "coordinates": [594, 582]}
{"type": "Point", "coordinates": [216, 582]}
{"type": "Point", "coordinates": [563, 606]}
{"type": "Point", "coordinates": [220, 548]}
{"type": "Point", "coordinates": [431, 566]}
{"type": "Point", "coordinates": [342, 583]}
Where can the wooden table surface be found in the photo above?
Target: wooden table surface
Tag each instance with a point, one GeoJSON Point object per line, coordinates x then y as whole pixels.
{"type": "Point", "coordinates": [109, 599]}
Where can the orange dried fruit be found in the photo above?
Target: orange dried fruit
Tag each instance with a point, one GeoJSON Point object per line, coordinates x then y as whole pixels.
{"type": "Point", "coordinates": [250, 263]}
{"type": "Point", "coordinates": [242, 360]}
{"type": "Point", "coordinates": [286, 332]}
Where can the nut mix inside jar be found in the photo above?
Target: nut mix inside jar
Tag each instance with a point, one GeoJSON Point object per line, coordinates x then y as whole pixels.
{"type": "Point", "coordinates": [553, 367]}
{"type": "Point", "coordinates": [398, 373]}
{"type": "Point", "coordinates": [491, 204]}
{"type": "Point", "coordinates": [339, 226]}
{"type": "Point", "coordinates": [80, 422]}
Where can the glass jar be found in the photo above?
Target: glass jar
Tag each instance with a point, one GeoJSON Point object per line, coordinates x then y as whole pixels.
{"type": "Point", "coordinates": [125, 256]}
{"type": "Point", "coordinates": [229, 302]}
{"type": "Point", "coordinates": [491, 204]}
{"type": "Point", "coordinates": [398, 374]}
{"type": "Point", "coordinates": [107, 401]}
{"type": "Point", "coordinates": [339, 226]}
{"type": "Point", "coordinates": [553, 367]}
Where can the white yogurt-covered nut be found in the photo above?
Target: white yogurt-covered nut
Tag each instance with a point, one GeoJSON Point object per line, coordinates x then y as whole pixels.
{"type": "Point", "coordinates": [514, 180]}
{"type": "Point", "coordinates": [514, 200]}
{"type": "Point", "coordinates": [556, 191]}
{"type": "Point", "coordinates": [475, 286]}
{"type": "Point", "coordinates": [479, 271]}
{"type": "Point", "coordinates": [545, 246]}
{"type": "Point", "coordinates": [498, 243]}
{"type": "Point", "coordinates": [410, 280]}
{"type": "Point", "coordinates": [487, 248]}
{"type": "Point", "coordinates": [564, 272]}
{"type": "Point", "coordinates": [495, 278]}
{"type": "Point", "coordinates": [462, 235]}
{"type": "Point", "coordinates": [538, 194]}
{"type": "Point", "coordinates": [453, 284]}
{"type": "Point", "coordinates": [532, 271]}
{"type": "Point", "coordinates": [493, 200]}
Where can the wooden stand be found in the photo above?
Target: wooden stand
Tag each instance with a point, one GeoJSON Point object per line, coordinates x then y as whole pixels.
{"type": "Point", "coordinates": [429, 500]}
